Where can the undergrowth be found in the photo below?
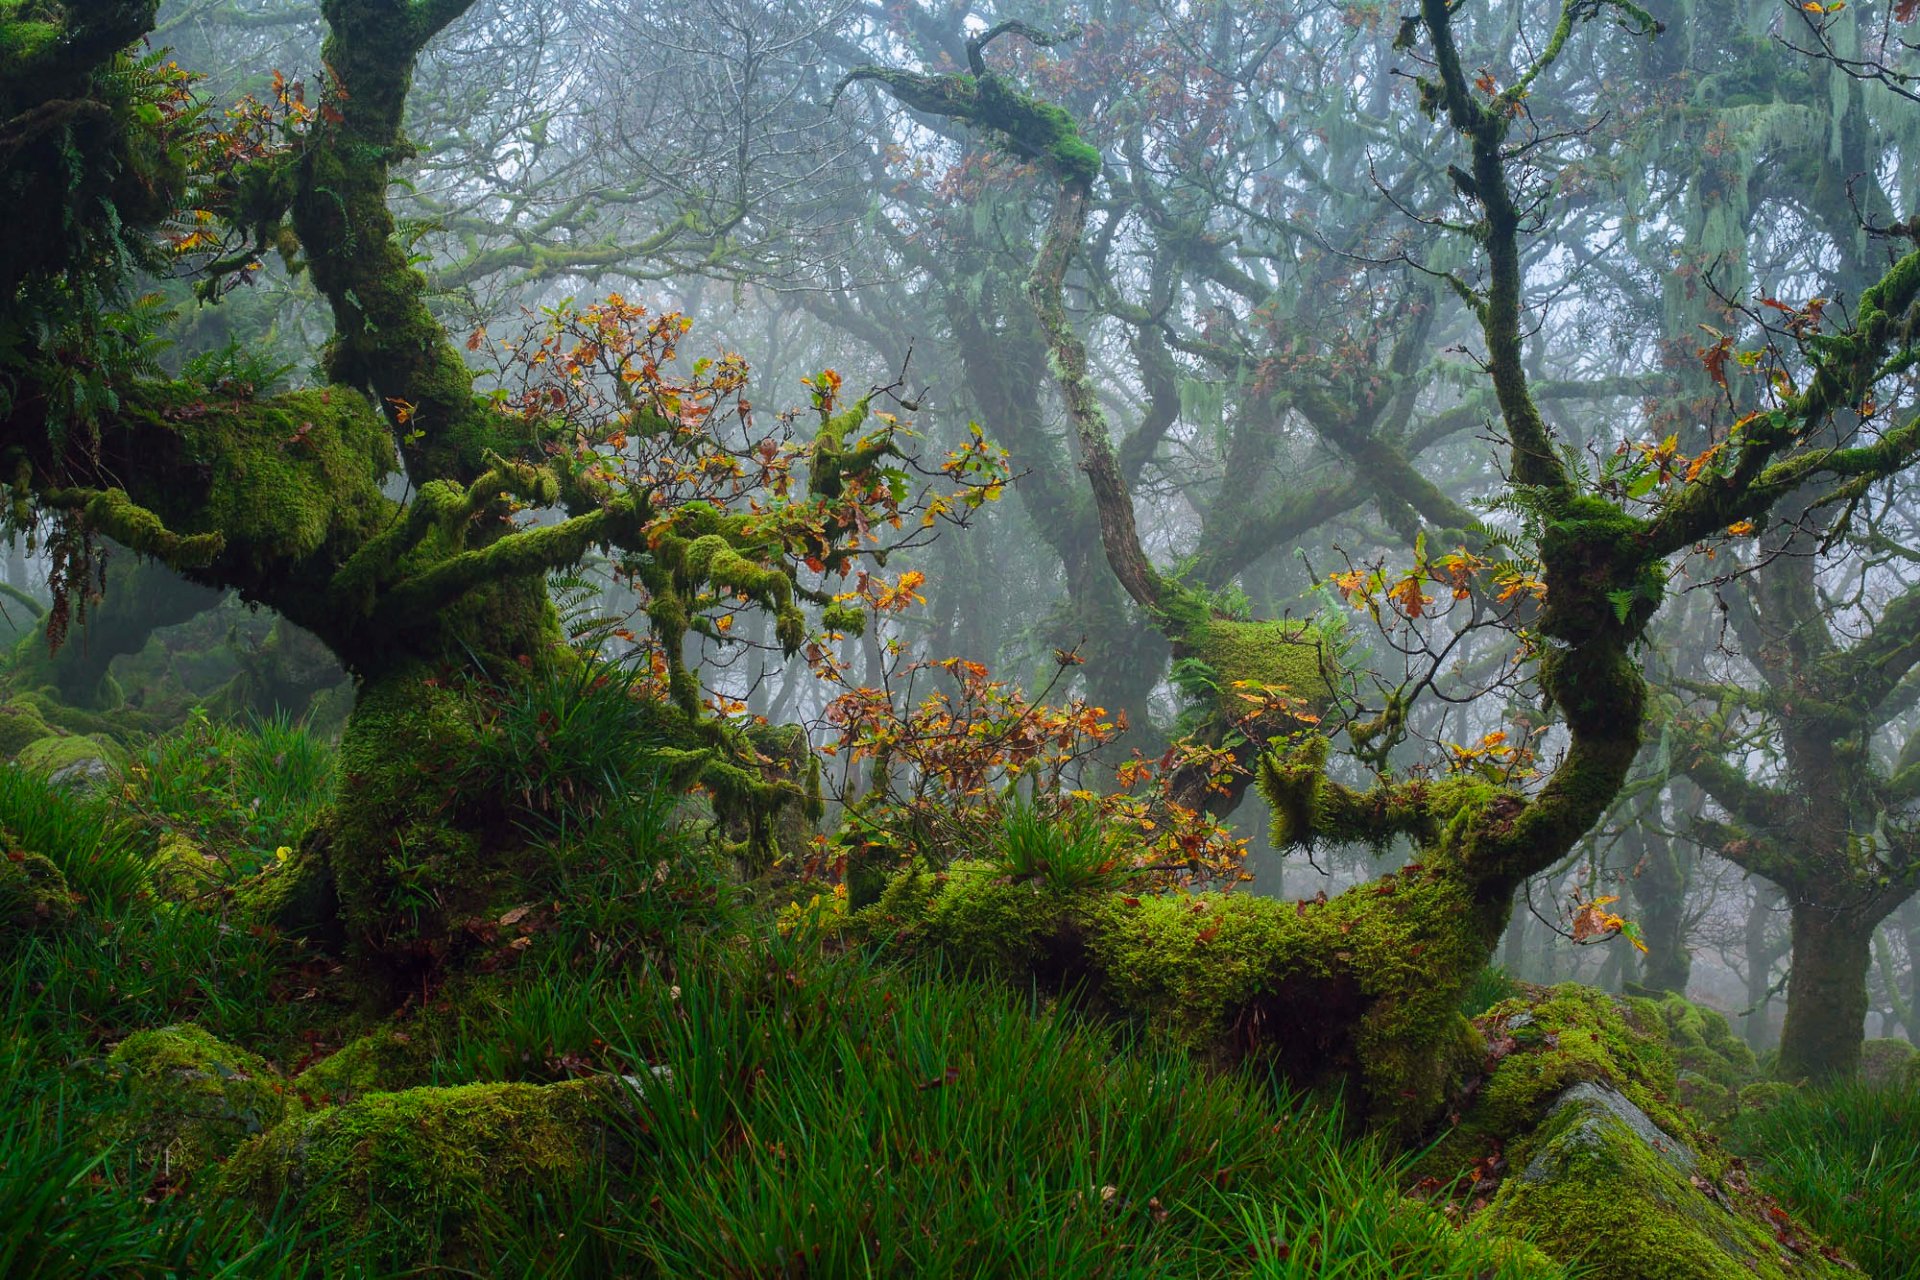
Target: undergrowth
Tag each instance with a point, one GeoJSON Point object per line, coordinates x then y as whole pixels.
{"type": "Point", "coordinates": [1847, 1158]}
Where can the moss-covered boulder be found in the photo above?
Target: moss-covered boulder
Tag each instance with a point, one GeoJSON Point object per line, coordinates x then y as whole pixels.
{"type": "Point", "coordinates": [1883, 1063]}
{"type": "Point", "coordinates": [425, 1175]}
{"type": "Point", "coordinates": [295, 895]}
{"type": "Point", "coordinates": [34, 897]}
{"type": "Point", "coordinates": [383, 1061]}
{"type": "Point", "coordinates": [72, 759]}
{"type": "Point", "coordinates": [1764, 1095]}
{"type": "Point", "coordinates": [191, 1099]}
{"type": "Point", "coordinates": [181, 871]}
{"type": "Point", "coordinates": [1605, 1188]}
{"type": "Point", "coordinates": [1577, 1139]}
{"type": "Point", "coordinates": [1700, 1041]}
{"type": "Point", "coordinates": [20, 724]}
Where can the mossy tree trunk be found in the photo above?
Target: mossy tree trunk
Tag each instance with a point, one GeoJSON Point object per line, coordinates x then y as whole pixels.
{"type": "Point", "coordinates": [281, 500]}
{"type": "Point", "coordinates": [1826, 994]}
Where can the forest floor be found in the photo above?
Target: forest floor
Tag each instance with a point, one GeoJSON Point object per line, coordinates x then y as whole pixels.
{"type": "Point", "coordinates": [649, 1071]}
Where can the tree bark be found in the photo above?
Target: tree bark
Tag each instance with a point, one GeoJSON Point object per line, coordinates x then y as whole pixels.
{"type": "Point", "coordinates": [1826, 995]}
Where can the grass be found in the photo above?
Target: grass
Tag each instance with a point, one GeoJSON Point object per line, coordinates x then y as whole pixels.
{"type": "Point", "coordinates": [1847, 1159]}
{"type": "Point", "coordinates": [828, 1114]}
{"type": "Point", "coordinates": [242, 789]}
{"type": "Point", "coordinates": [93, 845]}
{"type": "Point", "coordinates": [1069, 851]}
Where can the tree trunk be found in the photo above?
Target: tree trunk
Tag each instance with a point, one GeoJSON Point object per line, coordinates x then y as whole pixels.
{"type": "Point", "coordinates": [1826, 996]}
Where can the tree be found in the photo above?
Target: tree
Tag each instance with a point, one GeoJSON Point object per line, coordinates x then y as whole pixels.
{"type": "Point", "coordinates": [431, 600]}
{"type": "Point", "coordinates": [1382, 1003]}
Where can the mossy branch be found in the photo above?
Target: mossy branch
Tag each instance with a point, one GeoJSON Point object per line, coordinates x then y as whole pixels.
{"type": "Point", "coordinates": [112, 512]}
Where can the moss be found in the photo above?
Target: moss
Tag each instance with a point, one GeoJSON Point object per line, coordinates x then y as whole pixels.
{"type": "Point", "coordinates": [20, 724]}
{"type": "Point", "coordinates": [1218, 653]}
{"type": "Point", "coordinates": [1763, 1095]}
{"type": "Point", "coordinates": [294, 477]}
{"type": "Point", "coordinates": [190, 1099]}
{"type": "Point", "coordinates": [1576, 1084]}
{"type": "Point", "coordinates": [383, 1061]}
{"type": "Point", "coordinates": [972, 915]}
{"type": "Point", "coordinates": [404, 868]}
{"type": "Point", "coordinates": [1362, 989]}
{"type": "Point", "coordinates": [34, 896]}
{"type": "Point", "coordinates": [181, 871]}
{"type": "Point", "coordinates": [422, 1175]}
{"type": "Point", "coordinates": [1547, 1041]}
{"type": "Point", "coordinates": [1704, 1096]}
{"type": "Point", "coordinates": [70, 757]}
{"type": "Point", "coordinates": [1883, 1063]}
{"type": "Point", "coordinates": [1624, 1205]}
{"type": "Point", "coordinates": [1700, 1040]}
{"type": "Point", "coordinates": [297, 897]}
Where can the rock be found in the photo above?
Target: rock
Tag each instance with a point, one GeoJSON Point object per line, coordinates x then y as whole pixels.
{"type": "Point", "coordinates": [1604, 1169]}
{"type": "Point", "coordinates": [1763, 1095]}
{"type": "Point", "coordinates": [1599, 1107]}
{"type": "Point", "coordinates": [72, 759]}
{"type": "Point", "coordinates": [421, 1175]}
{"type": "Point", "coordinates": [34, 897]}
{"type": "Point", "coordinates": [21, 724]}
{"type": "Point", "coordinates": [191, 1099]}
{"type": "Point", "coordinates": [1883, 1063]}
{"type": "Point", "coordinates": [297, 896]}
{"type": "Point", "coordinates": [384, 1061]}
{"type": "Point", "coordinates": [1705, 1097]}
{"type": "Point", "coordinates": [181, 871]}
{"type": "Point", "coordinates": [1605, 1185]}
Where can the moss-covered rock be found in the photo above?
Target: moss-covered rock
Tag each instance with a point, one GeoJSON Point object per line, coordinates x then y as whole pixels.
{"type": "Point", "coordinates": [34, 897]}
{"type": "Point", "coordinates": [181, 871]}
{"type": "Point", "coordinates": [423, 1175]}
{"type": "Point", "coordinates": [1764, 1095]}
{"type": "Point", "coordinates": [387, 1060]}
{"type": "Point", "coordinates": [191, 1099]}
{"type": "Point", "coordinates": [1605, 1188]}
{"type": "Point", "coordinates": [295, 896]}
{"type": "Point", "coordinates": [1883, 1063]}
{"type": "Point", "coordinates": [1700, 1040]}
{"type": "Point", "coordinates": [20, 724]}
{"type": "Point", "coordinates": [74, 759]}
{"type": "Point", "coordinates": [1581, 1107]}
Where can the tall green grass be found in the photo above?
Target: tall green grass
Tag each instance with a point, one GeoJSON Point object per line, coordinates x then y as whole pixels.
{"type": "Point", "coordinates": [240, 789]}
{"type": "Point", "coordinates": [81, 833]}
{"type": "Point", "coordinates": [1846, 1159]}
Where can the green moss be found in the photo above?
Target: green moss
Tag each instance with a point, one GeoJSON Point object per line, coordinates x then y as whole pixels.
{"type": "Point", "coordinates": [1560, 1037]}
{"type": "Point", "coordinates": [1884, 1062]}
{"type": "Point", "coordinates": [403, 867]}
{"type": "Point", "coordinates": [1700, 1040]}
{"type": "Point", "coordinates": [20, 724]}
{"type": "Point", "coordinates": [1363, 989]}
{"type": "Point", "coordinates": [190, 1099]}
{"type": "Point", "coordinates": [423, 1174]}
{"type": "Point", "coordinates": [292, 478]}
{"type": "Point", "coordinates": [56, 756]}
{"type": "Point", "coordinates": [1763, 1095]}
{"type": "Point", "coordinates": [1566, 1069]}
{"type": "Point", "coordinates": [383, 1061]}
{"type": "Point", "coordinates": [1280, 654]}
{"type": "Point", "coordinates": [34, 896]}
{"type": "Point", "coordinates": [181, 871]}
{"type": "Point", "coordinates": [297, 897]}
{"type": "Point", "coordinates": [1599, 1195]}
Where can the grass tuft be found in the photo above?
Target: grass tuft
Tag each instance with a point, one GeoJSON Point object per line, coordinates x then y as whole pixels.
{"type": "Point", "coordinates": [1846, 1159]}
